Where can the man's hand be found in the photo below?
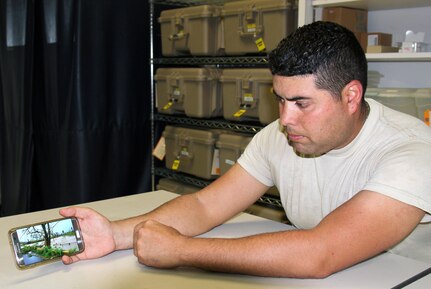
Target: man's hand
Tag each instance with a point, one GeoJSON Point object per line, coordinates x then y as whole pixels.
{"type": "Point", "coordinates": [96, 232]}
{"type": "Point", "coordinates": [157, 245]}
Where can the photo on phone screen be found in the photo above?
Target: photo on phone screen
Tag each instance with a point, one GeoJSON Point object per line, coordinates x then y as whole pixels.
{"type": "Point", "coordinates": [39, 243]}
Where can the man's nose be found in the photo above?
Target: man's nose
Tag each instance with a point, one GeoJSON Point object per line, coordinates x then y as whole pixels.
{"type": "Point", "coordinates": [288, 115]}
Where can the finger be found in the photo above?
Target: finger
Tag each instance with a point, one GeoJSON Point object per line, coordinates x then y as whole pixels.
{"type": "Point", "coordinates": [135, 242]}
{"type": "Point", "coordinates": [78, 212]}
{"type": "Point", "coordinates": [67, 260]}
{"type": "Point", "coordinates": [68, 212]}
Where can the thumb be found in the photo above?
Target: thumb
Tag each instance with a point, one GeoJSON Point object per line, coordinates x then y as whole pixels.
{"type": "Point", "coordinates": [68, 212]}
{"type": "Point", "coordinates": [67, 260]}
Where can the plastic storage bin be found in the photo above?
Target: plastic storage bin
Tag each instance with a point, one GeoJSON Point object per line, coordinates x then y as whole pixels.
{"type": "Point", "coordinates": [423, 102]}
{"type": "Point", "coordinates": [267, 211]}
{"type": "Point", "coordinates": [192, 30]}
{"type": "Point", "coordinates": [192, 151]}
{"type": "Point", "coordinates": [231, 146]}
{"type": "Point", "coordinates": [191, 91]}
{"type": "Point", "coordinates": [277, 215]}
{"type": "Point", "coordinates": [176, 186]}
{"type": "Point", "coordinates": [255, 26]}
{"type": "Point", "coordinates": [400, 99]}
{"type": "Point", "coordinates": [247, 95]}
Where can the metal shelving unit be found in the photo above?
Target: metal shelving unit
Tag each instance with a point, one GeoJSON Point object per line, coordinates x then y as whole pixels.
{"type": "Point", "coordinates": [186, 2]}
{"type": "Point", "coordinates": [218, 61]}
{"type": "Point", "coordinates": [191, 180]}
{"type": "Point", "coordinates": [247, 126]}
{"type": "Point", "coordinates": [305, 15]}
{"type": "Point", "coordinates": [184, 178]}
{"type": "Point", "coordinates": [209, 123]}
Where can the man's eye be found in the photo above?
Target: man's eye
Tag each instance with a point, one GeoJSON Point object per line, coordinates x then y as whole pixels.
{"type": "Point", "coordinates": [301, 104]}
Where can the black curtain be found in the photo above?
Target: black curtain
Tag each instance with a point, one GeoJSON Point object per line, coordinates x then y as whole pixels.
{"type": "Point", "coordinates": [75, 103]}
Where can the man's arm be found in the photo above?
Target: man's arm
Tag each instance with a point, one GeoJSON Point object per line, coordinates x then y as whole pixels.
{"type": "Point", "coordinates": [197, 213]}
{"type": "Point", "coordinates": [363, 227]}
{"type": "Point", "coordinates": [190, 215]}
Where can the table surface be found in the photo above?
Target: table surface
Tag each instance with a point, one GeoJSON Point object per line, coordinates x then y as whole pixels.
{"type": "Point", "coordinates": [121, 269]}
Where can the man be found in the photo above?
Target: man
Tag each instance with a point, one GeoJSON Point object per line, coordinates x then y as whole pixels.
{"type": "Point", "coordinates": [354, 178]}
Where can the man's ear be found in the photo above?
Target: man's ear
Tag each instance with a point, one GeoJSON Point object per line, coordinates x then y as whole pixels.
{"type": "Point", "coordinates": [352, 95]}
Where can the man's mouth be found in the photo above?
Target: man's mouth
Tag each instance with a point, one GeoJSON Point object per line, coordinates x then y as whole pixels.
{"type": "Point", "coordinates": [294, 137]}
{"type": "Point", "coordinates": [291, 136]}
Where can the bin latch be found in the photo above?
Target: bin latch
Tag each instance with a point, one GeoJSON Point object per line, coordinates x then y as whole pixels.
{"type": "Point", "coordinates": [179, 28]}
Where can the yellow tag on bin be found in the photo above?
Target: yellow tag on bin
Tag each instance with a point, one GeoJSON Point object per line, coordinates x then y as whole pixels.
{"type": "Point", "coordinates": [239, 113]}
{"type": "Point", "coordinates": [260, 44]}
{"type": "Point", "coordinates": [168, 105]}
{"type": "Point", "coordinates": [175, 165]}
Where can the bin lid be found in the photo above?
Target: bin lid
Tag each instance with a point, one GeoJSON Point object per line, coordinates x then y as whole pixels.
{"type": "Point", "coordinates": [233, 141]}
{"type": "Point", "coordinates": [238, 7]}
{"type": "Point", "coordinates": [423, 93]}
{"type": "Point", "coordinates": [396, 92]}
{"type": "Point", "coordinates": [200, 11]}
{"type": "Point", "coordinates": [187, 73]}
{"type": "Point", "coordinates": [192, 135]}
{"type": "Point", "coordinates": [246, 73]}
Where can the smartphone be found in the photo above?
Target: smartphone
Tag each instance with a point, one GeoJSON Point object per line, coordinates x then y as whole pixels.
{"type": "Point", "coordinates": [41, 243]}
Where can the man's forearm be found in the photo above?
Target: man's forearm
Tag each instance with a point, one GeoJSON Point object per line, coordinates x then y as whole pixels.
{"type": "Point", "coordinates": [184, 213]}
{"type": "Point", "coordinates": [282, 254]}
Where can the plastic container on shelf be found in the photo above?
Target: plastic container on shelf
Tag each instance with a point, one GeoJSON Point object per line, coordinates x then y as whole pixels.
{"type": "Point", "coordinates": [255, 26]}
{"type": "Point", "coordinates": [192, 151]}
{"type": "Point", "coordinates": [273, 192]}
{"type": "Point", "coordinates": [247, 95]}
{"type": "Point", "coordinates": [400, 99]}
{"type": "Point", "coordinates": [270, 213]}
{"type": "Point", "coordinates": [191, 91]}
{"type": "Point", "coordinates": [176, 186]}
{"type": "Point", "coordinates": [372, 92]}
{"type": "Point", "coordinates": [231, 146]}
{"type": "Point", "coordinates": [194, 30]}
{"type": "Point", "coordinates": [423, 102]}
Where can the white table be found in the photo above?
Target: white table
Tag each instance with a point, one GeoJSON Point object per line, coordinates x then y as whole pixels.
{"type": "Point", "coordinates": [121, 269]}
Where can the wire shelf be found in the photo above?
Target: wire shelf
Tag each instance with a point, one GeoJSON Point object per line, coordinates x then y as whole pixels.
{"type": "Point", "coordinates": [195, 181]}
{"type": "Point", "coordinates": [209, 123]}
{"type": "Point", "coordinates": [217, 61]}
{"type": "Point", "coordinates": [184, 178]}
{"type": "Point", "coordinates": [188, 2]}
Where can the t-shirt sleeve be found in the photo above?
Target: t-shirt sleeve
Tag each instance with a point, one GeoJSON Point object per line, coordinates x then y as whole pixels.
{"type": "Point", "coordinates": [405, 174]}
{"type": "Point", "coordinates": [256, 157]}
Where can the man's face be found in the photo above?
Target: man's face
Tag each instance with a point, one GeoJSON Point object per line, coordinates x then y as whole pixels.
{"type": "Point", "coordinates": [314, 121]}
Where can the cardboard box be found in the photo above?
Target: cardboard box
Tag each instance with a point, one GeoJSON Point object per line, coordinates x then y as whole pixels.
{"type": "Point", "coordinates": [362, 38]}
{"type": "Point", "coordinates": [355, 20]}
{"type": "Point", "coordinates": [378, 38]}
{"type": "Point", "coordinates": [381, 49]}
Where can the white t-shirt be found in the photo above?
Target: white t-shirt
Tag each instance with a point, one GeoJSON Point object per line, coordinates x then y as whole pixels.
{"type": "Point", "coordinates": [391, 155]}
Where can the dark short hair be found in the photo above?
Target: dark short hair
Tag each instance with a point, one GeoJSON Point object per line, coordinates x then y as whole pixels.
{"type": "Point", "coordinates": [327, 50]}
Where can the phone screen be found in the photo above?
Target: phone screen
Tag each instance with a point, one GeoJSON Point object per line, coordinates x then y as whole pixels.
{"type": "Point", "coordinates": [39, 243]}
